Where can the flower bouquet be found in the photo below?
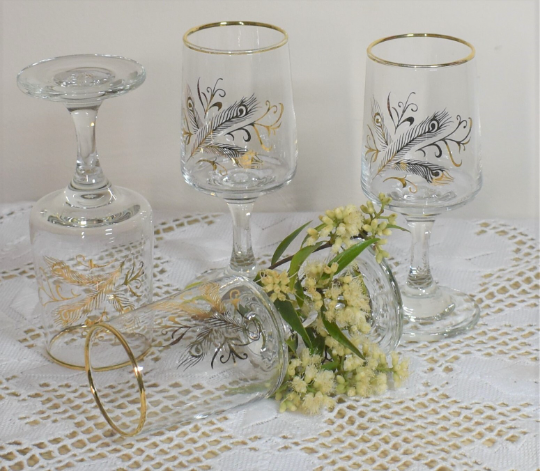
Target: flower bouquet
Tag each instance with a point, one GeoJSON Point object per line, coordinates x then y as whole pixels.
{"type": "Point", "coordinates": [328, 308]}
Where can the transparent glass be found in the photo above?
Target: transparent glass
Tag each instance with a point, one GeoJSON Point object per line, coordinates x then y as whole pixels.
{"type": "Point", "coordinates": [238, 121]}
{"type": "Point", "coordinates": [386, 314]}
{"type": "Point", "coordinates": [92, 242]}
{"type": "Point", "coordinates": [386, 317]}
{"type": "Point", "coordinates": [421, 146]}
{"type": "Point", "coordinates": [215, 346]}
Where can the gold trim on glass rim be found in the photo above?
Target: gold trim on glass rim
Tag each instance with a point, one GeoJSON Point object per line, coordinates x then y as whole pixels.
{"type": "Point", "coordinates": [373, 57]}
{"type": "Point", "coordinates": [136, 371]}
{"type": "Point", "coordinates": [209, 50]}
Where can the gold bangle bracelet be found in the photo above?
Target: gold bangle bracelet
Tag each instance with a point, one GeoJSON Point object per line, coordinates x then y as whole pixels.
{"type": "Point", "coordinates": [136, 371]}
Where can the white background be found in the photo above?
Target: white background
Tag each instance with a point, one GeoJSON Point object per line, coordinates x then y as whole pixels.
{"type": "Point", "coordinates": [138, 135]}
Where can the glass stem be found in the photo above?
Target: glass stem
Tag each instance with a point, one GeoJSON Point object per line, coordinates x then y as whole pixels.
{"type": "Point", "coordinates": [419, 281]}
{"type": "Point", "coordinates": [88, 173]}
{"type": "Point", "coordinates": [242, 258]}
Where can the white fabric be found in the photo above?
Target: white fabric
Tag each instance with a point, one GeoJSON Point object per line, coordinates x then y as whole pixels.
{"type": "Point", "coordinates": [471, 402]}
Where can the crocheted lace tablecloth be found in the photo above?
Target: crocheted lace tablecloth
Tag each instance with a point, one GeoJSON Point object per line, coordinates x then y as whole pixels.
{"type": "Point", "coordinates": [471, 402]}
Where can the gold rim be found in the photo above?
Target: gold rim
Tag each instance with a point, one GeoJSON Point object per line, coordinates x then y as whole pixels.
{"type": "Point", "coordinates": [375, 58]}
{"type": "Point", "coordinates": [72, 366]}
{"type": "Point", "coordinates": [209, 50]}
{"type": "Point", "coordinates": [136, 371]}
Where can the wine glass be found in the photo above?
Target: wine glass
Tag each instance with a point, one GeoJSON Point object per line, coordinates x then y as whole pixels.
{"type": "Point", "coordinates": [215, 346]}
{"type": "Point", "coordinates": [92, 242]}
{"type": "Point", "coordinates": [421, 147]}
{"type": "Point", "coordinates": [238, 122]}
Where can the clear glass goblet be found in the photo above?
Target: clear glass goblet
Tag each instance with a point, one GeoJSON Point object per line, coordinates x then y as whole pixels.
{"type": "Point", "coordinates": [239, 129]}
{"type": "Point", "coordinates": [215, 346]}
{"type": "Point", "coordinates": [421, 147]}
{"type": "Point", "coordinates": [92, 242]}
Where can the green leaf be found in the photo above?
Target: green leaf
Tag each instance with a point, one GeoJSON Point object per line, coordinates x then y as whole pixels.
{"type": "Point", "coordinates": [291, 317]}
{"type": "Point", "coordinates": [317, 342]}
{"type": "Point", "coordinates": [393, 226]}
{"type": "Point", "coordinates": [292, 342]}
{"type": "Point", "coordinates": [336, 333]}
{"type": "Point", "coordinates": [286, 242]}
{"type": "Point", "coordinates": [344, 258]}
{"type": "Point", "coordinates": [331, 365]}
{"type": "Point", "coordinates": [299, 293]}
{"type": "Point", "coordinates": [299, 258]}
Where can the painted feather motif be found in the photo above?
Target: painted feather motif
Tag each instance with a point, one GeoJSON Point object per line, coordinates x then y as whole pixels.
{"type": "Point", "coordinates": [219, 335]}
{"type": "Point", "coordinates": [381, 131]}
{"type": "Point", "coordinates": [228, 150]}
{"type": "Point", "coordinates": [432, 173]}
{"type": "Point", "coordinates": [212, 327]}
{"type": "Point", "coordinates": [95, 290]}
{"type": "Point", "coordinates": [429, 128]}
{"type": "Point", "coordinates": [235, 114]}
{"type": "Point", "coordinates": [192, 113]}
{"type": "Point", "coordinates": [68, 314]}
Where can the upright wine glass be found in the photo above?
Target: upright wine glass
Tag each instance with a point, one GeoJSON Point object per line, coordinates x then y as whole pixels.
{"type": "Point", "coordinates": [421, 147]}
{"type": "Point", "coordinates": [92, 242]}
{"type": "Point", "coordinates": [239, 129]}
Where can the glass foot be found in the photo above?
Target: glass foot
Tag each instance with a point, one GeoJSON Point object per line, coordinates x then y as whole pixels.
{"type": "Point", "coordinates": [208, 275]}
{"type": "Point", "coordinates": [214, 273]}
{"type": "Point", "coordinates": [81, 78]}
{"type": "Point", "coordinates": [447, 314]}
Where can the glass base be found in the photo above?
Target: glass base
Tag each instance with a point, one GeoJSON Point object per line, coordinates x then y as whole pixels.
{"type": "Point", "coordinates": [67, 348]}
{"type": "Point", "coordinates": [214, 273]}
{"type": "Point", "coordinates": [447, 314]}
{"type": "Point", "coordinates": [81, 78]}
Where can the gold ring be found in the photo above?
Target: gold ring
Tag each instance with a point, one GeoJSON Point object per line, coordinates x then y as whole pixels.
{"type": "Point", "coordinates": [136, 371]}
{"type": "Point", "coordinates": [71, 366]}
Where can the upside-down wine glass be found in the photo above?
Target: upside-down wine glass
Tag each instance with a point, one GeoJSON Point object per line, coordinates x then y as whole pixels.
{"type": "Point", "coordinates": [421, 147]}
{"type": "Point", "coordinates": [239, 130]}
{"type": "Point", "coordinates": [92, 242]}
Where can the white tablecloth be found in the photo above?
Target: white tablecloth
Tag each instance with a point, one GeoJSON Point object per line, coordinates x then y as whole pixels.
{"type": "Point", "coordinates": [471, 403]}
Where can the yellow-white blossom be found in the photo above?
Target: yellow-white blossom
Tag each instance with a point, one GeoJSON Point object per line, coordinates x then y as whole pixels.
{"type": "Point", "coordinates": [276, 284]}
{"type": "Point", "coordinates": [299, 385]}
{"type": "Point", "coordinates": [342, 300]}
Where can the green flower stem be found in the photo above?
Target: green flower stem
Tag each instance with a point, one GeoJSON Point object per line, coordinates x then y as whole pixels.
{"type": "Point", "coordinates": [283, 387]}
{"type": "Point", "coordinates": [288, 259]}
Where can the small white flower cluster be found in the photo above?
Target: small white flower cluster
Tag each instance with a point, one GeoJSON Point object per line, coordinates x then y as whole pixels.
{"type": "Point", "coordinates": [347, 303]}
{"type": "Point", "coordinates": [276, 283]}
{"type": "Point", "coordinates": [400, 369]}
{"type": "Point", "coordinates": [342, 223]}
{"type": "Point", "coordinates": [345, 223]}
{"type": "Point", "coordinates": [307, 387]}
{"type": "Point", "coordinates": [313, 284]}
{"type": "Point", "coordinates": [364, 377]}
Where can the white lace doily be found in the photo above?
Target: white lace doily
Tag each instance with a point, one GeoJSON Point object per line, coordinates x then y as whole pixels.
{"type": "Point", "coordinates": [471, 403]}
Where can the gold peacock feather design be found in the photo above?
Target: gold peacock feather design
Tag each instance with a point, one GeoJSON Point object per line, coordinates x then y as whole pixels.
{"type": "Point", "coordinates": [90, 292]}
{"type": "Point", "coordinates": [391, 151]}
{"type": "Point", "coordinates": [217, 325]}
{"type": "Point", "coordinates": [206, 130]}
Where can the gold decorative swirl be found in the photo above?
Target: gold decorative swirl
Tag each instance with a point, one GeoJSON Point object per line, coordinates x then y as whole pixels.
{"type": "Point", "coordinates": [272, 127]}
{"type": "Point", "coordinates": [95, 289]}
